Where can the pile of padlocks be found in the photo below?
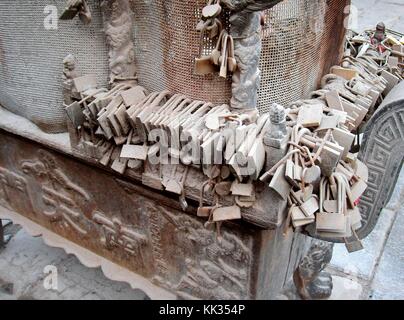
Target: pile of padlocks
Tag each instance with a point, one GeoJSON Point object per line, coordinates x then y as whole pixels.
{"type": "Point", "coordinates": [307, 149]}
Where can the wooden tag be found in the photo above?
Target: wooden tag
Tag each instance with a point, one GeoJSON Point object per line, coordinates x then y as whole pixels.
{"type": "Point", "coordinates": [358, 189]}
{"type": "Point", "coordinates": [226, 213]}
{"type": "Point", "coordinates": [310, 207]}
{"type": "Point", "coordinates": [204, 212]}
{"type": "Point", "coordinates": [242, 189]}
{"type": "Point", "coordinates": [85, 83]}
{"type": "Point", "coordinates": [345, 73]}
{"type": "Point", "coordinates": [133, 96]}
{"type": "Point", "coordinates": [134, 152]}
{"type": "Point", "coordinates": [330, 222]}
{"type": "Point", "coordinates": [310, 115]}
{"type": "Point", "coordinates": [279, 184]}
{"type": "Point", "coordinates": [75, 114]}
{"type": "Point", "coordinates": [333, 100]}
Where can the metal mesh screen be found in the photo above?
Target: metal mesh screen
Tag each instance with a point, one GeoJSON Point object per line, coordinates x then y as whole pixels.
{"type": "Point", "coordinates": [167, 44]}
{"type": "Point", "coordinates": [292, 58]}
{"type": "Point", "coordinates": [301, 40]}
{"type": "Point", "coordinates": [298, 42]}
{"type": "Point", "coordinates": [31, 58]}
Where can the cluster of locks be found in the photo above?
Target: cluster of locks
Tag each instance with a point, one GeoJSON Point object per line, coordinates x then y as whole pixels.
{"type": "Point", "coordinates": [306, 152]}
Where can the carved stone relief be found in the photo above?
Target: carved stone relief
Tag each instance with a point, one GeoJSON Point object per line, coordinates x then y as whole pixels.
{"type": "Point", "coordinates": [245, 28]}
{"type": "Point", "coordinates": [211, 268]}
{"type": "Point", "coordinates": [65, 202]}
{"type": "Point", "coordinates": [310, 279]}
{"type": "Point", "coordinates": [118, 29]}
{"type": "Point", "coordinates": [383, 152]}
{"type": "Point", "coordinates": [171, 248]}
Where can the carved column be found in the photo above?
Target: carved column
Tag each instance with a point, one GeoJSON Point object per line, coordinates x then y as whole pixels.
{"type": "Point", "coordinates": [1, 234]}
{"type": "Point", "coordinates": [309, 278]}
{"type": "Point", "coordinates": [245, 29]}
{"type": "Point", "coordinates": [118, 24]}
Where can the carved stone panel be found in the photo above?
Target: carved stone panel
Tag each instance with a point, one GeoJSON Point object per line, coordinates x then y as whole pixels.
{"type": "Point", "coordinates": [125, 223]}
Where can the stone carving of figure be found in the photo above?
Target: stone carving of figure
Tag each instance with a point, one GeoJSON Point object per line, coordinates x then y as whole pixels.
{"type": "Point", "coordinates": [69, 68]}
{"type": "Point", "coordinates": [69, 73]}
{"type": "Point", "coordinates": [245, 29]}
{"type": "Point", "coordinates": [379, 36]}
{"type": "Point", "coordinates": [118, 29]}
{"type": "Point", "coordinates": [310, 279]}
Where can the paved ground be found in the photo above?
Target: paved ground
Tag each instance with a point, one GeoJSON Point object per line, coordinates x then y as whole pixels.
{"type": "Point", "coordinates": [377, 272]}
{"type": "Point", "coordinates": [370, 12]}
{"type": "Point", "coordinates": [374, 273]}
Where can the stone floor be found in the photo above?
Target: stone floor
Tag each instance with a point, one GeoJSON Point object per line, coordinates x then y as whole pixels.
{"type": "Point", "coordinates": [377, 272]}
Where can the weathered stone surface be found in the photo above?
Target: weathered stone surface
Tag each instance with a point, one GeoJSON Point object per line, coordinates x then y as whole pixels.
{"type": "Point", "coordinates": [345, 289]}
{"type": "Point", "coordinates": [22, 263]}
{"type": "Point", "coordinates": [371, 12]}
{"type": "Point", "coordinates": [363, 263]}
{"type": "Point", "coordinates": [395, 200]}
{"type": "Point", "coordinates": [389, 278]}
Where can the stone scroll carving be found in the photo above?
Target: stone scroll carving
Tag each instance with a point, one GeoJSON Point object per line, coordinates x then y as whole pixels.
{"type": "Point", "coordinates": [118, 24]}
{"type": "Point", "coordinates": [382, 151]}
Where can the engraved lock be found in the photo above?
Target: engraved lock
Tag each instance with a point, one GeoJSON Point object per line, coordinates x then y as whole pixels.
{"type": "Point", "coordinates": [311, 175]}
{"type": "Point", "coordinates": [223, 58]}
{"type": "Point", "coordinates": [215, 55]}
{"type": "Point", "coordinates": [203, 64]}
{"type": "Point", "coordinates": [212, 9]}
{"type": "Point", "coordinates": [231, 60]}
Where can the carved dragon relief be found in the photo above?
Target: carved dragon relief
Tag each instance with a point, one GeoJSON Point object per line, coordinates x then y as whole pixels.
{"type": "Point", "coordinates": [70, 205]}
{"type": "Point", "coordinates": [63, 201]}
{"type": "Point", "coordinates": [209, 268]}
{"type": "Point", "coordinates": [213, 268]}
